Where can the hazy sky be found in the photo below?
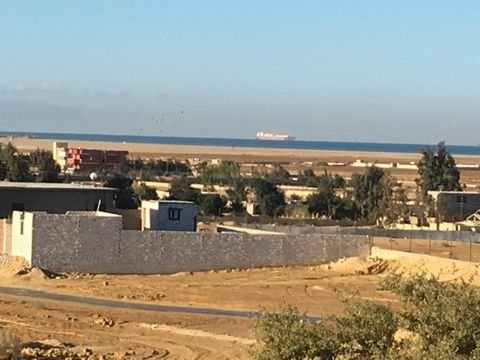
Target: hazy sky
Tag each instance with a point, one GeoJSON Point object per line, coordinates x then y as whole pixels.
{"type": "Point", "coordinates": [388, 71]}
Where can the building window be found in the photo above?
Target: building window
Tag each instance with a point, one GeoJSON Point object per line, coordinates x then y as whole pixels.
{"type": "Point", "coordinates": [462, 199]}
{"type": "Point", "coordinates": [174, 214]}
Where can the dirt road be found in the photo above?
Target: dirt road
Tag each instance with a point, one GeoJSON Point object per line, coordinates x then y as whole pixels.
{"type": "Point", "coordinates": [139, 333]}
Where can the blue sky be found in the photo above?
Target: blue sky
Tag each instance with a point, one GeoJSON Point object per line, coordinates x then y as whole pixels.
{"type": "Point", "coordinates": [405, 71]}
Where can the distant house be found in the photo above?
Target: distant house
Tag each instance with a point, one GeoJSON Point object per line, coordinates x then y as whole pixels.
{"type": "Point", "coordinates": [49, 198]}
{"type": "Point", "coordinates": [454, 206]}
{"type": "Point", "coordinates": [169, 215]}
{"type": "Point", "coordinates": [471, 223]}
{"type": "Point", "coordinates": [53, 198]}
{"type": "Point", "coordinates": [85, 160]}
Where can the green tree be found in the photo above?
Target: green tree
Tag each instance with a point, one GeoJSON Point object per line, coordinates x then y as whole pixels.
{"type": "Point", "coordinates": [44, 166]}
{"type": "Point", "coordinates": [125, 198]}
{"type": "Point", "coordinates": [13, 166]}
{"type": "Point", "coordinates": [148, 169]}
{"type": "Point", "coordinates": [308, 178]}
{"type": "Point", "coordinates": [369, 190]}
{"type": "Point", "coordinates": [270, 199]}
{"type": "Point", "coordinates": [180, 189]}
{"type": "Point", "coordinates": [437, 170]}
{"type": "Point", "coordinates": [207, 176]}
{"type": "Point", "coordinates": [279, 174]}
{"type": "Point", "coordinates": [211, 204]}
{"type": "Point", "coordinates": [223, 173]}
{"type": "Point", "coordinates": [144, 192]}
{"type": "Point", "coordinates": [317, 204]}
{"type": "Point", "coordinates": [237, 194]}
{"type": "Point", "coordinates": [392, 206]}
{"type": "Point", "coordinates": [326, 202]}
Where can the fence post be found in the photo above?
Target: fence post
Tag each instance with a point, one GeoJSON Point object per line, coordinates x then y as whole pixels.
{"type": "Point", "coordinates": [429, 244]}
{"type": "Point", "coordinates": [470, 252]}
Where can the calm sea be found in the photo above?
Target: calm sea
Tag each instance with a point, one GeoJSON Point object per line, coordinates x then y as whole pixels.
{"type": "Point", "coordinates": [297, 144]}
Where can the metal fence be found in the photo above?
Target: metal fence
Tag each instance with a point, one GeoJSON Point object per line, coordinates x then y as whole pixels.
{"type": "Point", "coordinates": [465, 250]}
{"type": "Point", "coordinates": [457, 245]}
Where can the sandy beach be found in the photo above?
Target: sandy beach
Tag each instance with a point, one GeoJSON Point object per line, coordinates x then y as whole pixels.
{"type": "Point", "coordinates": [229, 153]}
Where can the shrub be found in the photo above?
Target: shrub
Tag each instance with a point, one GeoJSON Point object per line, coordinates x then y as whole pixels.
{"type": "Point", "coordinates": [441, 321]}
{"type": "Point", "coordinates": [285, 335]}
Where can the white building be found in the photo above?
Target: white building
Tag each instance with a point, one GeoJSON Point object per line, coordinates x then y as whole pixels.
{"type": "Point", "coordinates": [169, 215]}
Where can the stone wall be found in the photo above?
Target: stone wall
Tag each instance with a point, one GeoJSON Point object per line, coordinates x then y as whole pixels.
{"type": "Point", "coordinates": [465, 236]}
{"type": "Point", "coordinates": [98, 244]}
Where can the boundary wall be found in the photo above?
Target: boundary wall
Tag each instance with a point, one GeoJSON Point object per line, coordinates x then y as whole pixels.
{"type": "Point", "coordinates": [466, 236]}
{"type": "Point", "coordinates": [96, 243]}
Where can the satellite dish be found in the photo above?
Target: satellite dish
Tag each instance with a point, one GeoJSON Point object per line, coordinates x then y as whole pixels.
{"type": "Point", "coordinates": [93, 176]}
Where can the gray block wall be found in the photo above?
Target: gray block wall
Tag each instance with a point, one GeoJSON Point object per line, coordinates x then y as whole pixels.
{"type": "Point", "coordinates": [97, 244]}
{"type": "Point", "coordinates": [465, 236]}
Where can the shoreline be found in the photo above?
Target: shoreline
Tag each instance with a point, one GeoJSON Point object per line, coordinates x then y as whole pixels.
{"type": "Point", "coordinates": [228, 152]}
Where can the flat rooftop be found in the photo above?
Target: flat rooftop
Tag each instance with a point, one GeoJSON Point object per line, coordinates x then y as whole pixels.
{"type": "Point", "coordinates": [10, 185]}
{"type": "Point", "coordinates": [167, 202]}
{"type": "Point", "coordinates": [432, 192]}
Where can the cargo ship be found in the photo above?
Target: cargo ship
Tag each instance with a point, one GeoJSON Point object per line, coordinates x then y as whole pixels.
{"type": "Point", "coordinates": [276, 137]}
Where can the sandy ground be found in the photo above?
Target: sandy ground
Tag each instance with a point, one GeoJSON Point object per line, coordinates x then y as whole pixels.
{"type": "Point", "coordinates": [317, 290]}
{"type": "Point", "coordinates": [128, 334]}
{"type": "Point", "coordinates": [455, 250]}
{"type": "Point", "coordinates": [234, 153]}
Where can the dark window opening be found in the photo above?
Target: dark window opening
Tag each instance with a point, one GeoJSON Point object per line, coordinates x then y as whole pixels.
{"type": "Point", "coordinates": [174, 214]}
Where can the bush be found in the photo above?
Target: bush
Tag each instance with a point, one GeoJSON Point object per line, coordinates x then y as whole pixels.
{"type": "Point", "coordinates": [441, 321]}
{"type": "Point", "coordinates": [286, 335]}
{"type": "Point", "coordinates": [440, 313]}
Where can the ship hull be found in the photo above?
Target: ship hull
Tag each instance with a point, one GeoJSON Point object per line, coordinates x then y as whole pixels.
{"type": "Point", "coordinates": [274, 137]}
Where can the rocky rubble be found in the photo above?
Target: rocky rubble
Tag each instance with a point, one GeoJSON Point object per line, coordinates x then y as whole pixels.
{"type": "Point", "coordinates": [54, 349]}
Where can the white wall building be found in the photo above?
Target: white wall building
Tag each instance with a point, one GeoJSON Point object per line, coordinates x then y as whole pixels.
{"type": "Point", "coordinates": [169, 215]}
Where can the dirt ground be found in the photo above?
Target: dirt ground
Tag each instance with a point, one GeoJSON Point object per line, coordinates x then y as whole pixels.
{"type": "Point", "coordinates": [114, 333]}
{"type": "Point", "coordinates": [97, 332]}
{"type": "Point", "coordinates": [455, 250]}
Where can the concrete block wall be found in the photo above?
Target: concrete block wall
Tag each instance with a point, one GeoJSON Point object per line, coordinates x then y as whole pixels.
{"type": "Point", "coordinates": [65, 241]}
{"type": "Point", "coordinates": [465, 236]}
{"type": "Point", "coordinates": [98, 244]}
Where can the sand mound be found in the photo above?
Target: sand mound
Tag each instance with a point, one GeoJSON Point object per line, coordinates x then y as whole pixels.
{"type": "Point", "coordinates": [357, 266]}
{"type": "Point", "coordinates": [444, 269]}
{"type": "Point", "coordinates": [12, 266]}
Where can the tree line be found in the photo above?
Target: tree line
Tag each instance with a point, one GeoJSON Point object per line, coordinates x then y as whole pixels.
{"type": "Point", "coordinates": [36, 166]}
{"type": "Point", "coordinates": [372, 195]}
